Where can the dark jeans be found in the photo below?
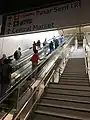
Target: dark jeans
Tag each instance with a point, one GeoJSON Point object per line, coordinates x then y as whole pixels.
{"type": "Point", "coordinates": [3, 89]}
{"type": "Point", "coordinates": [51, 50]}
{"type": "Point", "coordinates": [35, 73]}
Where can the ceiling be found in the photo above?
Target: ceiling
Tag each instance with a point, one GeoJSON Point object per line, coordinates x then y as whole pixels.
{"type": "Point", "coordinates": [8, 6]}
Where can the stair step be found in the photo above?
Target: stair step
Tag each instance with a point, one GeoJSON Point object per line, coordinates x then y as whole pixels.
{"type": "Point", "coordinates": [68, 96]}
{"type": "Point", "coordinates": [70, 111]}
{"type": "Point", "coordinates": [76, 60]}
{"type": "Point", "coordinates": [80, 71]}
{"type": "Point", "coordinates": [74, 70]}
{"type": "Point", "coordinates": [77, 63]}
{"type": "Point", "coordinates": [71, 87]}
{"type": "Point", "coordinates": [81, 68]}
{"type": "Point", "coordinates": [68, 92]}
{"type": "Point", "coordinates": [74, 80]}
{"type": "Point", "coordinates": [66, 102]}
{"type": "Point", "coordinates": [75, 73]}
{"type": "Point", "coordinates": [43, 115]}
{"type": "Point", "coordinates": [74, 67]}
{"type": "Point", "coordinates": [76, 76]}
{"type": "Point", "coordinates": [74, 83]}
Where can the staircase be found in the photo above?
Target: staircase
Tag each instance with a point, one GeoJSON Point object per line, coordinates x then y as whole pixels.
{"type": "Point", "coordinates": [70, 98]}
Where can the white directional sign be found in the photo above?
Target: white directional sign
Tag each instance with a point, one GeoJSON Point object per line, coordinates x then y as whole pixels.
{"type": "Point", "coordinates": [69, 14]}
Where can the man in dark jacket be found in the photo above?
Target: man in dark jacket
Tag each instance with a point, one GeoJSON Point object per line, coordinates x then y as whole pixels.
{"type": "Point", "coordinates": [5, 76]}
{"type": "Point", "coordinates": [17, 54]}
{"type": "Point", "coordinates": [51, 46]}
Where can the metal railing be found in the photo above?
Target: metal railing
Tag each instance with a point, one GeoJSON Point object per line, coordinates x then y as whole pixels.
{"type": "Point", "coordinates": [86, 48]}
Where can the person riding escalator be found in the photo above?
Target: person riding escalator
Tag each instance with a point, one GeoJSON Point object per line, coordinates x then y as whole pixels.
{"type": "Point", "coordinates": [5, 76]}
{"type": "Point", "coordinates": [17, 54]}
{"type": "Point", "coordinates": [51, 46]}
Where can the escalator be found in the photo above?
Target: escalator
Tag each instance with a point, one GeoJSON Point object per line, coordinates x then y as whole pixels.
{"type": "Point", "coordinates": [69, 99]}
{"type": "Point", "coordinates": [25, 58]}
{"type": "Point", "coordinates": [23, 67]}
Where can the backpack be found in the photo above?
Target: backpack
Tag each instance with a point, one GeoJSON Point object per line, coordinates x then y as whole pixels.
{"type": "Point", "coordinates": [16, 55]}
{"type": "Point", "coordinates": [5, 73]}
{"type": "Point", "coordinates": [43, 44]}
{"type": "Point", "coordinates": [35, 58]}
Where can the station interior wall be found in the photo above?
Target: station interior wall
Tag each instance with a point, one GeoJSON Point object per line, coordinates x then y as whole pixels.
{"type": "Point", "coordinates": [10, 43]}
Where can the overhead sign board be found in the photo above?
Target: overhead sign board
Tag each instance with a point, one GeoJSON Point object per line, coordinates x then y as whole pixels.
{"type": "Point", "coordinates": [68, 14]}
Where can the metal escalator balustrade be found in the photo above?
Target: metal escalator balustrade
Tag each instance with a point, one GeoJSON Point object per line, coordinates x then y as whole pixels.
{"type": "Point", "coordinates": [26, 63]}
{"type": "Point", "coordinates": [44, 75]}
{"type": "Point", "coordinates": [25, 53]}
{"type": "Point", "coordinates": [17, 74]}
{"type": "Point", "coordinates": [23, 60]}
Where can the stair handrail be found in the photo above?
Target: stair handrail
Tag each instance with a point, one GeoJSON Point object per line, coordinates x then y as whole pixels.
{"type": "Point", "coordinates": [87, 56]}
